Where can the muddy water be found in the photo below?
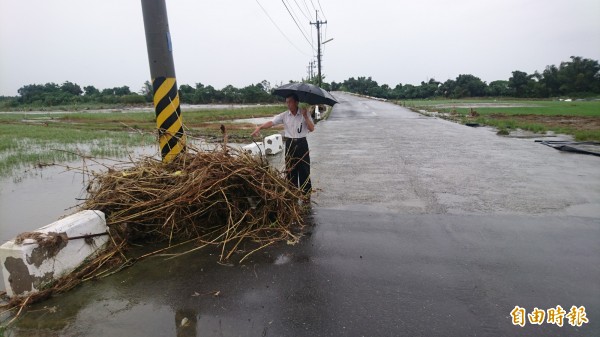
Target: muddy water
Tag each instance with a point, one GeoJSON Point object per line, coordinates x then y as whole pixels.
{"type": "Point", "coordinates": [32, 201]}
{"type": "Point", "coordinates": [256, 120]}
{"type": "Point", "coordinates": [37, 197]}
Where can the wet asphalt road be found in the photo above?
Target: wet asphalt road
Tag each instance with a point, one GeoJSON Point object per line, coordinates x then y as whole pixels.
{"type": "Point", "coordinates": [422, 228]}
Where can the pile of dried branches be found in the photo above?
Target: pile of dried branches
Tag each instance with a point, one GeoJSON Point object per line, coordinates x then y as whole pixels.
{"type": "Point", "coordinates": [221, 198]}
{"type": "Point", "coordinates": [212, 197]}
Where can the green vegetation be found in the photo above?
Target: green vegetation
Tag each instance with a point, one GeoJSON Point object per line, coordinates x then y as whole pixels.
{"type": "Point", "coordinates": [578, 77]}
{"type": "Point", "coordinates": [69, 95]}
{"type": "Point", "coordinates": [510, 106]}
{"type": "Point", "coordinates": [578, 118]}
{"type": "Point", "coordinates": [41, 139]}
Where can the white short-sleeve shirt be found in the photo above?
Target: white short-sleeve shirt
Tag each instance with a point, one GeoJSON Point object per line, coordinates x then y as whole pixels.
{"type": "Point", "coordinates": [295, 126]}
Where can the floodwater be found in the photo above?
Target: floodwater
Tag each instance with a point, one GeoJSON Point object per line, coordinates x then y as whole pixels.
{"type": "Point", "coordinates": [36, 197]}
{"type": "Point", "coordinates": [256, 120]}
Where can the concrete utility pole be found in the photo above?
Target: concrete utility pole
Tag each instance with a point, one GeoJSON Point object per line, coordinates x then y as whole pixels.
{"type": "Point", "coordinates": [311, 68]}
{"type": "Point", "coordinates": [318, 24]}
{"type": "Point", "coordinates": [162, 70]}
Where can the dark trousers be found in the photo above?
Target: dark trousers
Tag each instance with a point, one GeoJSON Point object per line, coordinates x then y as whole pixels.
{"type": "Point", "coordinates": [297, 163]}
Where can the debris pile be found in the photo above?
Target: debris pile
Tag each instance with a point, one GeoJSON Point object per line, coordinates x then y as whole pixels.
{"type": "Point", "coordinates": [224, 198]}
{"type": "Point", "coordinates": [214, 197]}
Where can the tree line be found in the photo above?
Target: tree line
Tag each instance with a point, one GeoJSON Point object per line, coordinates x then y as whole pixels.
{"type": "Point", "coordinates": [69, 93]}
{"type": "Point", "coordinates": [578, 77]}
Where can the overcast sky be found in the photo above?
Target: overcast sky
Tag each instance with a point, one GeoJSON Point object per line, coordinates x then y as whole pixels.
{"type": "Point", "coordinates": [221, 42]}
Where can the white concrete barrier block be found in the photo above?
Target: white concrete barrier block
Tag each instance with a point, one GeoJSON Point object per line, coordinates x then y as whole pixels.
{"type": "Point", "coordinates": [257, 148]}
{"type": "Point", "coordinates": [273, 144]}
{"type": "Point", "coordinates": [34, 259]}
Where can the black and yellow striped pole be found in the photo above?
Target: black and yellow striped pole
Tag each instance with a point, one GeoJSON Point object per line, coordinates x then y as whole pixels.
{"type": "Point", "coordinates": [162, 70]}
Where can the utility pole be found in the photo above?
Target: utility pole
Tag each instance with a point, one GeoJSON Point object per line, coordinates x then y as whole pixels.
{"type": "Point", "coordinates": [164, 83]}
{"type": "Point", "coordinates": [318, 24]}
{"type": "Point", "coordinates": [311, 68]}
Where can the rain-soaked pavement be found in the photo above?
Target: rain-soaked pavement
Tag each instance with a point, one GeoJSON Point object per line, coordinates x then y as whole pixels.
{"type": "Point", "coordinates": [422, 228]}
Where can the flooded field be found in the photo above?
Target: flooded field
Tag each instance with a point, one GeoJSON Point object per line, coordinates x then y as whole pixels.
{"type": "Point", "coordinates": [35, 197]}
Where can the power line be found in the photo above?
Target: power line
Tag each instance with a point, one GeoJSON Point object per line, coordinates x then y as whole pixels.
{"type": "Point", "coordinates": [301, 11]}
{"type": "Point", "coordinates": [322, 12]}
{"type": "Point", "coordinates": [282, 33]}
{"type": "Point", "coordinates": [312, 41]}
{"type": "Point", "coordinates": [307, 9]}
{"type": "Point", "coordinates": [313, 5]}
{"type": "Point", "coordinates": [286, 7]}
{"type": "Point", "coordinates": [297, 17]}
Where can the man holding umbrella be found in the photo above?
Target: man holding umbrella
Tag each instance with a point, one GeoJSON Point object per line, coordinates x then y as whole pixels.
{"type": "Point", "coordinates": [297, 124]}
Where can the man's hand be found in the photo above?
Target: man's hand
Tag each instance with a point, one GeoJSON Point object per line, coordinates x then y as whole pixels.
{"type": "Point", "coordinates": [256, 132]}
{"type": "Point", "coordinates": [260, 127]}
{"type": "Point", "coordinates": [309, 123]}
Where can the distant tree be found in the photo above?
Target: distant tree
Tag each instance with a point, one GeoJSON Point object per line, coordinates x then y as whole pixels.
{"type": "Point", "coordinates": [498, 89]}
{"type": "Point", "coordinates": [30, 93]}
{"type": "Point", "coordinates": [385, 91]}
{"type": "Point", "coordinates": [519, 82]}
{"type": "Point", "coordinates": [409, 91]}
{"type": "Point", "coordinates": [397, 92]}
{"type": "Point", "coordinates": [469, 86]}
{"type": "Point", "coordinates": [579, 75]}
{"type": "Point", "coordinates": [231, 94]}
{"type": "Point", "coordinates": [147, 91]}
{"type": "Point", "coordinates": [71, 88]}
{"type": "Point", "coordinates": [121, 91]}
{"type": "Point", "coordinates": [211, 95]}
{"type": "Point", "coordinates": [550, 81]}
{"type": "Point", "coordinates": [90, 90]}
{"type": "Point", "coordinates": [251, 93]}
{"type": "Point", "coordinates": [187, 94]}
{"type": "Point", "coordinates": [447, 88]}
{"type": "Point", "coordinates": [361, 85]}
{"type": "Point", "coordinates": [51, 87]}
{"type": "Point", "coordinates": [427, 89]}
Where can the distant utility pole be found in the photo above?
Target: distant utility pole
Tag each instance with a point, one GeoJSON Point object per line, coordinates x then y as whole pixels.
{"type": "Point", "coordinates": [162, 70]}
{"type": "Point", "coordinates": [311, 68]}
{"type": "Point", "coordinates": [318, 24]}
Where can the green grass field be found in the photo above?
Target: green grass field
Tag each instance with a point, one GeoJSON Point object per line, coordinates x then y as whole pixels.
{"type": "Point", "coordinates": [29, 139]}
{"type": "Point", "coordinates": [578, 118]}
{"type": "Point", "coordinates": [520, 107]}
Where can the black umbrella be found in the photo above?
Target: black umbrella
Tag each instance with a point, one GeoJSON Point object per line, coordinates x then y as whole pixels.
{"type": "Point", "coordinates": [306, 92]}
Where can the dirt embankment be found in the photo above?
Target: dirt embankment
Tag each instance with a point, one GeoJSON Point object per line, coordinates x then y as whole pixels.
{"type": "Point", "coordinates": [580, 123]}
